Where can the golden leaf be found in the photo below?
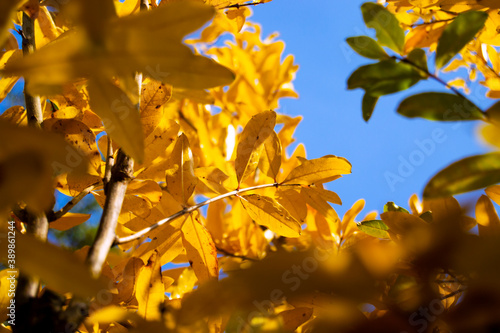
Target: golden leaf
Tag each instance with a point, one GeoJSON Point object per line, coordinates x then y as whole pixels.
{"type": "Point", "coordinates": [319, 170]}
{"type": "Point", "coordinates": [149, 289]}
{"type": "Point", "coordinates": [265, 211]}
{"type": "Point", "coordinates": [180, 177]}
{"type": "Point", "coordinates": [270, 160]}
{"type": "Point", "coordinates": [251, 143]}
{"type": "Point", "coordinates": [68, 221]}
{"type": "Point", "coordinates": [200, 249]}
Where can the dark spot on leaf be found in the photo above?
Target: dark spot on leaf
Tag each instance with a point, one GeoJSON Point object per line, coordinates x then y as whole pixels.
{"type": "Point", "coordinates": [191, 263]}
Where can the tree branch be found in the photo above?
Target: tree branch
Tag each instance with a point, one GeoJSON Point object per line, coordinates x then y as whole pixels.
{"type": "Point", "coordinates": [190, 209]}
{"type": "Point", "coordinates": [110, 161]}
{"type": "Point", "coordinates": [238, 6]}
{"type": "Point", "coordinates": [458, 291]}
{"type": "Point", "coordinates": [72, 203]}
{"type": "Point", "coordinates": [232, 255]}
{"type": "Point", "coordinates": [36, 224]}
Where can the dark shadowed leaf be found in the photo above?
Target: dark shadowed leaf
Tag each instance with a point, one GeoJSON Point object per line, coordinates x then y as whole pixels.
{"type": "Point", "coordinates": [439, 106]}
{"type": "Point", "coordinates": [466, 175]}
{"type": "Point", "coordinates": [368, 105]}
{"type": "Point", "coordinates": [367, 47]}
{"type": "Point", "coordinates": [384, 77]}
{"type": "Point", "coordinates": [457, 34]}
{"type": "Point", "coordinates": [386, 25]}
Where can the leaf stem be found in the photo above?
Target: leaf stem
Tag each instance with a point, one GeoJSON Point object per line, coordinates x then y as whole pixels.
{"type": "Point", "coordinates": [232, 255]}
{"type": "Point", "coordinates": [187, 210]}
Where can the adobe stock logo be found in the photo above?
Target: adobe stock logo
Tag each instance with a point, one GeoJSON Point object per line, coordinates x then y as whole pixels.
{"type": "Point", "coordinates": [416, 158]}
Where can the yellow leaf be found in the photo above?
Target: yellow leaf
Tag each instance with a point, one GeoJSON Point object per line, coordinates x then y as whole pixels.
{"type": "Point", "coordinates": [349, 216]}
{"type": "Point", "coordinates": [81, 137]}
{"type": "Point", "coordinates": [213, 178]}
{"type": "Point", "coordinates": [293, 202]}
{"type": "Point", "coordinates": [265, 211]}
{"type": "Point", "coordinates": [7, 11]}
{"type": "Point", "coordinates": [494, 193]}
{"type": "Point", "coordinates": [487, 218]}
{"type": "Point", "coordinates": [8, 283]}
{"type": "Point", "coordinates": [252, 139]}
{"type": "Point", "coordinates": [157, 142]}
{"type": "Point", "coordinates": [111, 314]}
{"type": "Point", "coordinates": [149, 290]}
{"type": "Point", "coordinates": [120, 117]}
{"type": "Point", "coordinates": [68, 221]}
{"type": "Point", "coordinates": [292, 319]}
{"type": "Point", "coordinates": [153, 96]}
{"type": "Point", "coordinates": [29, 158]}
{"type": "Point", "coordinates": [167, 241]}
{"type": "Point", "coordinates": [47, 261]}
{"type": "Point", "coordinates": [319, 170]}
{"type": "Point", "coordinates": [127, 280]}
{"type": "Point", "coordinates": [270, 161]}
{"type": "Point", "coordinates": [316, 201]}
{"type": "Point", "coordinates": [181, 180]}
{"type": "Point", "coordinates": [15, 115]}
{"type": "Point", "coordinates": [200, 250]}
{"type": "Point", "coordinates": [124, 46]}
{"type": "Point", "coordinates": [6, 82]}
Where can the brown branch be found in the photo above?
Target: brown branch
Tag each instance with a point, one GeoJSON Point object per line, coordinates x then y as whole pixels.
{"type": "Point", "coordinates": [110, 161]}
{"type": "Point", "coordinates": [190, 209]}
{"type": "Point", "coordinates": [36, 224]}
{"type": "Point", "coordinates": [429, 23]}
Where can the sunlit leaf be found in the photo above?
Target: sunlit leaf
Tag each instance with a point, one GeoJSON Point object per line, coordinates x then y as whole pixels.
{"type": "Point", "coordinates": [153, 96]}
{"type": "Point", "coordinates": [466, 175]}
{"type": "Point", "coordinates": [120, 117]}
{"type": "Point", "coordinates": [367, 47]}
{"type": "Point", "coordinates": [68, 221]}
{"type": "Point", "coordinates": [149, 290]}
{"type": "Point", "coordinates": [439, 106]}
{"type": "Point", "coordinates": [270, 160]}
{"type": "Point", "coordinates": [200, 250]}
{"type": "Point", "coordinates": [375, 228]}
{"type": "Point", "coordinates": [251, 143]}
{"type": "Point", "coordinates": [487, 218]}
{"type": "Point", "coordinates": [319, 170]}
{"type": "Point", "coordinates": [180, 178]}
{"type": "Point", "coordinates": [383, 78]}
{"type": "Point", "coordinates": [386, 25]}
{"type": "Point", "coordinates": [458, 34]}
{"type": "Point", "coordinates": [267, 212]}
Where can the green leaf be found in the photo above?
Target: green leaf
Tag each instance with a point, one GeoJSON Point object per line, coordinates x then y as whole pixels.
{"type": "Point", "coordinates": [419, 58]}
{"type": "Point", "coordinates": [375, 228]}
{"type": "Point", "coordinates": [392, 207]}
{"type": "Point", "coordinates": [368, 105]}
{"type": "Point", "coordinates": [367, 47]}
{"type": "Point", "coordinates": [466, 175]}
{"type": "Point", "coordinates": [383, 78]}
{"type": "Point", "coordinates": [386, 25]}
{"type": "Point", "coordinates": [439, 106]}
{"type": "Point", "coordinates": [457, 34]}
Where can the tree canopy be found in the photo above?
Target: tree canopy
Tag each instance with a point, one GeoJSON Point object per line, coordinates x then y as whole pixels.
{"type": "Point", "coordinates": [209, 222]}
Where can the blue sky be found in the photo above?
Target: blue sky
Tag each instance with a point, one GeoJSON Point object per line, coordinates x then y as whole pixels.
{"type": "Point", "coordinates": [315, 32]}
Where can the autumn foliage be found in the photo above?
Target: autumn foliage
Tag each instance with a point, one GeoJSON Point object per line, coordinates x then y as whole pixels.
{"type": "Point", "coordinates": [210, 221]}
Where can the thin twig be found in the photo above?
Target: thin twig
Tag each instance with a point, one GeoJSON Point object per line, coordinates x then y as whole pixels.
{"type": "Point", "coordinates": [72, 203]}
{"type": "Point", "coordinates": [238, 6]}
{"type": "Point", "coordinates": [190, 209]}
{"type": "Point", "coordinates": [431, 75]}
{"type": "Point", "coordinates": [232, 255]}
{"type": "Point", "coordinates": [458, 291]}
{"type": "Point", "coordinates": [431, 22]}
